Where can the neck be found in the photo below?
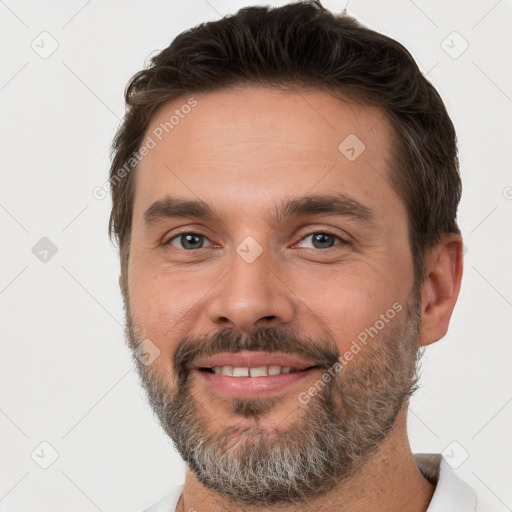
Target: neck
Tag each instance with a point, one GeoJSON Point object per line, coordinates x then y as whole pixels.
{"type": "Point", "coordinates": [389, 481]}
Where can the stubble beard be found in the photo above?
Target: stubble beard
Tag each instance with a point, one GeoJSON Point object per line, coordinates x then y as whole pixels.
{"type": "Point", "coordinates": [332, 437]}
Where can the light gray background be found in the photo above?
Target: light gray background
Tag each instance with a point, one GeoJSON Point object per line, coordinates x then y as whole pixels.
{"type": "Point", "coordinates": [66, 376]}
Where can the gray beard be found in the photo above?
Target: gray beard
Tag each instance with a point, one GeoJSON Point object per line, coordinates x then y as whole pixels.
{"type": "Point", "coordinates": [336, 434]}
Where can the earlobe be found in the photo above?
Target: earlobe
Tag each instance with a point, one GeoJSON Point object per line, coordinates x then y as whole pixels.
{"type": "Point", "coordinates": [441, 289]}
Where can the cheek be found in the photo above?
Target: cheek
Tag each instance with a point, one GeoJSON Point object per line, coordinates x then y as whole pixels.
{"type": "Point", "coordinates": [346, 305]}
{"type": "Point", "coordinates": [159, 304]}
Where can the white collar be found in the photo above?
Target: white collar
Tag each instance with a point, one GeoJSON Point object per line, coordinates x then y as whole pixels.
{"type": "Point", "coordinates": [452, 494]}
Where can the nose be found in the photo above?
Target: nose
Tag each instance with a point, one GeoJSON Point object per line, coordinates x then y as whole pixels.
{"type": "Point", "coordinates": [251, 295]}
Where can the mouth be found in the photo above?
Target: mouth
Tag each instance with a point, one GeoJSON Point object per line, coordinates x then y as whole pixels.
{"type": "Point", "coordinates": [258, 371]}
{"type": "Point", "coordinates": [251, 375]}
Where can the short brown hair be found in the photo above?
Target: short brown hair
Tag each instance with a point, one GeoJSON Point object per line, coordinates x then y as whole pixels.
{"type": "Point", "coordinates": [304, 45]}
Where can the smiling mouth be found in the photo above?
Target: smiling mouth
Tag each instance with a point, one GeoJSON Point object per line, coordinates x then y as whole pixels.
{"type": "Point", "coordinates": [258, 371]}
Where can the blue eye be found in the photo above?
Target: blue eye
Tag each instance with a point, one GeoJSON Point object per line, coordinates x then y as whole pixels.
{"type": "Point", "coordinates": [323, 240]}
{"type": "Point", "coordinates": [189, 241]}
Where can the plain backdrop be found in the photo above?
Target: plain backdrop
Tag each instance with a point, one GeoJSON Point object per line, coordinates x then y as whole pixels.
{"type": "Point", "coordinates": [69, 396]}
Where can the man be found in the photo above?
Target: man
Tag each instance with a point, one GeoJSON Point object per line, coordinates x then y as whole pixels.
{"type": "Point", "coordinates": [285, 187]}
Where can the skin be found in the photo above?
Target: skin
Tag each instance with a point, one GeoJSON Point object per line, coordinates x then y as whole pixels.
{"type": "Point", "coordinates": [243, 150]}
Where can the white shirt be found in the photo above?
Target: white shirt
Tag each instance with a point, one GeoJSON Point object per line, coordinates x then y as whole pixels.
{"type": "Point", "coordinates": [451, 495]}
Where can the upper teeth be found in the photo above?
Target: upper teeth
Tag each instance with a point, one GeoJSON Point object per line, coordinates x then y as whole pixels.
{"type": "Point", "coordinates": [260, 371]}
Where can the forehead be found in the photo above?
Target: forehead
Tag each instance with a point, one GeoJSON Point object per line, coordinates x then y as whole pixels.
{"type": "Point", "coordinates": [242, 147]}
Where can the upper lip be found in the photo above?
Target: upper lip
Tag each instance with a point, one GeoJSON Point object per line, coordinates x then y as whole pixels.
{"type": "Point", "coordinates": [252, 360]}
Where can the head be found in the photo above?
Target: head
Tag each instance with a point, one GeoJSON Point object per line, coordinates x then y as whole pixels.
{"type": "Point", "coordinates": [285, 181]}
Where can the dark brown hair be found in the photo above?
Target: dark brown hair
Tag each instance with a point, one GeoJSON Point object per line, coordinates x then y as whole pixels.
{"type": "Point", "coordinates": [304, 45]}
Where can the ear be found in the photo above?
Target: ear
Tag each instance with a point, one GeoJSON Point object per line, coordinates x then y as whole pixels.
{"type": "Point", "coordinates": [439, 294]}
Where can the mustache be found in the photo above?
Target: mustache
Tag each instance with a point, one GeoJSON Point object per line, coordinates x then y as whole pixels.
{"type": "Point", "coordinates": [323, 353]}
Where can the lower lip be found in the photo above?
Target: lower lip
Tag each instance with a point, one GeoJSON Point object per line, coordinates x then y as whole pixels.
{"type": "Point", "coordinates": [251, 387]}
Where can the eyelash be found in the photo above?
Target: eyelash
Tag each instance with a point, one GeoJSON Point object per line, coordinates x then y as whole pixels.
{"type": "Point", "coordinates": [343, 241]}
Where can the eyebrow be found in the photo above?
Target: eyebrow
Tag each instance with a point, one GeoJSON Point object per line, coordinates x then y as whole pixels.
{"type": "Point", "coordinates": [329, 204]}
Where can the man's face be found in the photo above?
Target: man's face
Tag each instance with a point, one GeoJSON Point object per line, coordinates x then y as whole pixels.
{"type": "Point", "coordinates": [271, 282]}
